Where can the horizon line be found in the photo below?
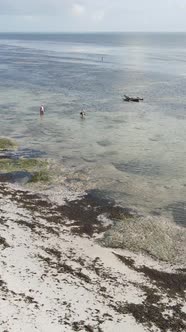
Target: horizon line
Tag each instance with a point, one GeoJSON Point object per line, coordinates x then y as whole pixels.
{"type": "Point", "coordinates": [86, 32]}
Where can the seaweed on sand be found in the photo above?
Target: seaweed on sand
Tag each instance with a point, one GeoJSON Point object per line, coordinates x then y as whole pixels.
{"type": "Point", "coordinates": [3, 242]}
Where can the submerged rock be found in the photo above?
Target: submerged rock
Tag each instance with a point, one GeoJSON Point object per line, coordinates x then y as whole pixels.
{"type": "Point", "coordinates": [21, 177]}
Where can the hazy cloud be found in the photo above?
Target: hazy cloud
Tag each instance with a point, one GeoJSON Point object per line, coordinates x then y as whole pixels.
{"type": "Point", "coordinates": [102, 15]}
{"type": "Point", "coordinates": [78, 10]}
{"type": "Point", "coordinates": [98, 15]}
{"type": "Point", "coordinates": [33, 7]}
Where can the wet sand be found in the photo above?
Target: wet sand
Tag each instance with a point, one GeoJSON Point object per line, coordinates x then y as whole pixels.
{"type": "Point", "coordinates": [54, 276]}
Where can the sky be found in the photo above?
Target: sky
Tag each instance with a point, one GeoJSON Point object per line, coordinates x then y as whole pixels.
{"type": "Point", "coordinates": [92, 15]}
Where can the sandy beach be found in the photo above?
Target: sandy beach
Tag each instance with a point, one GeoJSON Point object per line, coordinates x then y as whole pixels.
{"type": "Point", "coordinates": [55, 277]}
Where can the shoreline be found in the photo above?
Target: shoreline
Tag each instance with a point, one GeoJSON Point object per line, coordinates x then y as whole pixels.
{"type": "Point", "coordinates": [55, 278]}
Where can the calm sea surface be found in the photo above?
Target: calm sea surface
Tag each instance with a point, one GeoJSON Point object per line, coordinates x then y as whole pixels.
{"type": "Point", "coordinates": [132, 152]}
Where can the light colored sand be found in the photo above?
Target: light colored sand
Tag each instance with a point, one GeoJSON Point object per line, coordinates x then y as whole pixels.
{"type": "Point", "coordinates": [61, 282]}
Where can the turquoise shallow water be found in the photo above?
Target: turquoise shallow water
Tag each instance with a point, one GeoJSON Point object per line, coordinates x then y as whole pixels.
{"type": "Point", "coordinates": [132, 152]}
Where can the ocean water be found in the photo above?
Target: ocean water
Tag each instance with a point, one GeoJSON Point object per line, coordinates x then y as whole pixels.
{"type": "Point", "coordinates": [134, 153]}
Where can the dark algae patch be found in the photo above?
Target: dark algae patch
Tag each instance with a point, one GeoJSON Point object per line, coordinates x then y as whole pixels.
{"type": "Point", "coordinates": [3, 242]}
{"type": "Point", "coordinates": [63, 267]}
{"type": "Point", "coordinates": [126, 260]}
{"type": "Point", "coordinates": [173, 283]}
{"type": "Point", "coordinates": [149, 315]}
{"type": "Point", "coordinates": [82, 216]}
{"type": "Point", "coordinates": [84, 213]}
{"type": "Point", "coordinates": [154, 310]}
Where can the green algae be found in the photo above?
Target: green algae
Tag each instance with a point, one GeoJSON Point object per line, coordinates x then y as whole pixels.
{"type": "Point", "coordinates": [7, 144]}
{"type": "Point", "coordinates": [12, 165]}
{"type": "Point", "coordinates": [41, 176]}
{"type": "Point", "coordinates": [36, 167]}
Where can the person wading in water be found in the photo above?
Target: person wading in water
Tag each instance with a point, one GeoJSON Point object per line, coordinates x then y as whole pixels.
{"type": "Point", "coordinates": [42, 110]}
